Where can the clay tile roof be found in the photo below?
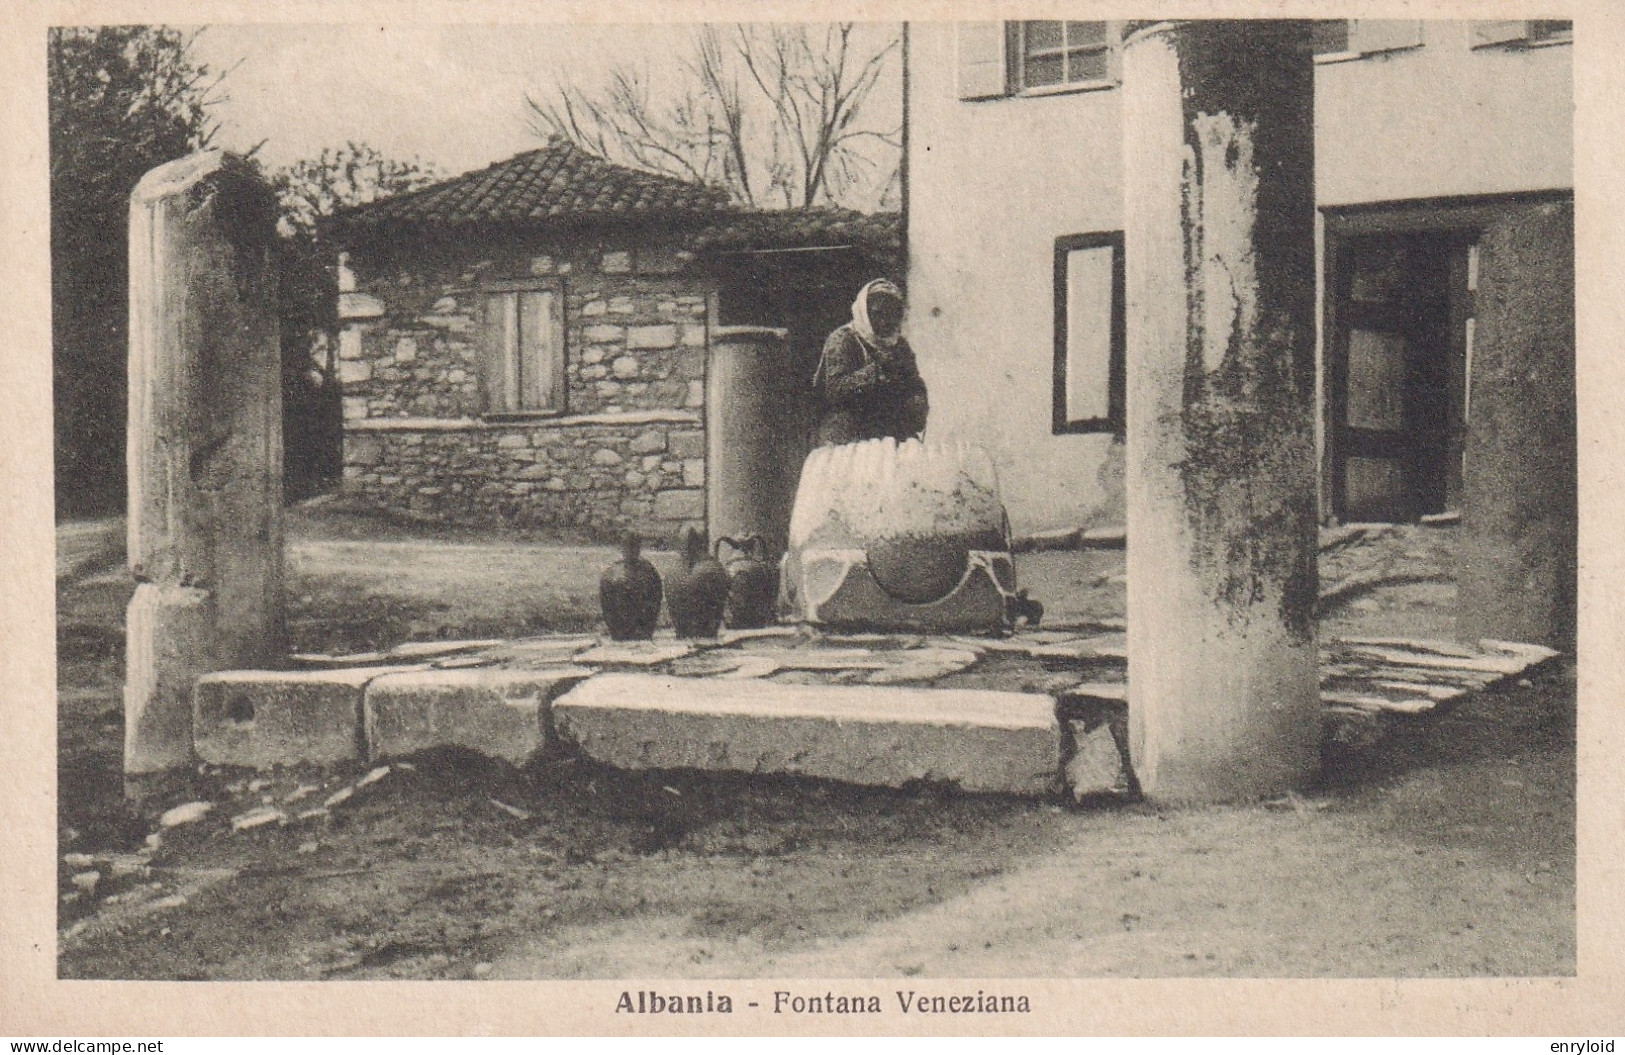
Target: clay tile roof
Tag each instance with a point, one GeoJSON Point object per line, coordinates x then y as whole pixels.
{"type": "Point", "coordinates": [558, 182]}
{"type": "Point", "coordinates": [825, 227]}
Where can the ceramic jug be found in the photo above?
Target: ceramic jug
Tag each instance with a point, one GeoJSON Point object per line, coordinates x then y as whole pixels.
{"type": "Point", "coordinates": [629, 593]}
{"type": "Point", "coordinates": [697, 591]}
{"type": "Point", "coordinates": [753, 584]}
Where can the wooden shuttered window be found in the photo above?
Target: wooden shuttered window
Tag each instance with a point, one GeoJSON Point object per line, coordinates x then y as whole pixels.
{"type": "Point", "coordinates": [523, 351]}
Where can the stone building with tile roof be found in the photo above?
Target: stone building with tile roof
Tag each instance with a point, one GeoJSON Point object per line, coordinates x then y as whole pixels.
{"type": "Point", "coordinates": [526, 344]}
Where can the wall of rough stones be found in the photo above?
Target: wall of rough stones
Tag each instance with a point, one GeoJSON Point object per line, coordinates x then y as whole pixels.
{"type": "Point", "coordinates": [592, 477]}
{"type": "Point", "coordinates": [625, 452]}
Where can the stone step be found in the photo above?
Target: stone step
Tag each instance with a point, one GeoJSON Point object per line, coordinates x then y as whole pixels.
{"type": "Point", "coordinates": [979, 740]}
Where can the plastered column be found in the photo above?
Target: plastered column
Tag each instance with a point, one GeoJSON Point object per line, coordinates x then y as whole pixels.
{"type": "Point", "coordinates": [1519, 529]}
{"type": "Point", "coordinates": [751, 465]}
{"type": "Point", "coordinates": [1219, 237]}
{"type": "Point", "coordinates": [204, 445]}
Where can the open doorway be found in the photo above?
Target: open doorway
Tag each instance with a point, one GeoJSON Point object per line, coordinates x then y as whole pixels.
{"type": "Point", "coordinates": [1400, 356]}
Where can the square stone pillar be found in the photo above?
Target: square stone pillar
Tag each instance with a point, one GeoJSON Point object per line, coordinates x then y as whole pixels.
{"type": "Point", "coordinates": [1519, 536]}
{"type": "Point", "coordinates": [204, 445]}
{"type": "Point", "coordinates": [1218, 125]}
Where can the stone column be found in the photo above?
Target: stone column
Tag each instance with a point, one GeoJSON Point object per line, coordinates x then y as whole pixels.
{"type": "Point", "coordinates": [1519, 529]}
{"type": "Point", "coordinates": [751, 458]}
{"type": "Point", "coordinates": [1219, 234]}
{"type": "Point", "coordinates": [204, 445]}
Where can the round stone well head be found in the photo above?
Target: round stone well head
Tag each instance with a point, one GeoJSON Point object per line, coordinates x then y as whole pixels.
{"type": "Point", "coordinates": [899, 536]}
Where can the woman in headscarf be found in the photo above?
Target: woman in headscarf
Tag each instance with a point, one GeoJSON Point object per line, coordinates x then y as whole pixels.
{"type": "Point", "coordinates": [867, 377]}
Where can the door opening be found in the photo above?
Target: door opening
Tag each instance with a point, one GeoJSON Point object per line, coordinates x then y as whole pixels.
{"type": "Point", "coordinates": [1400, 363]}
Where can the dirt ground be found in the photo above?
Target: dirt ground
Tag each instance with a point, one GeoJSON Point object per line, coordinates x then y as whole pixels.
{"type": "Point", "coordinates": [1446, 851]}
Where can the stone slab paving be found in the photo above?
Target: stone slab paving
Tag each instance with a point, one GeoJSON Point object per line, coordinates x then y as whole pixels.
{"type": "Point", "coordinates": [866, 708]}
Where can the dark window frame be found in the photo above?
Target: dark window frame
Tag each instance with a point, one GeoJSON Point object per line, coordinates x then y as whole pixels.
{"type": "Point", "coordinates": [1113, 422]}
{"type": "Point", "coordinates": [1017, 54]}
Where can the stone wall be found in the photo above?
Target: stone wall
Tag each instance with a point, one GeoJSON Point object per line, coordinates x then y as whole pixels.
{"type": "Point", "coordinates": [596, 474]}
{"type": "Point", "coordinates": [625, 451]}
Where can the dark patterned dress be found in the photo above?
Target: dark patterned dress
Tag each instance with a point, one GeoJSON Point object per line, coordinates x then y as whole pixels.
{"type": "Point", "coordinates": [868, 391]}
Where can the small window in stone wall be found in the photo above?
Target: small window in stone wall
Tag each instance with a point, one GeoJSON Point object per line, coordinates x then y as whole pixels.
{"type": "Point", "coordinates": [523, 350]}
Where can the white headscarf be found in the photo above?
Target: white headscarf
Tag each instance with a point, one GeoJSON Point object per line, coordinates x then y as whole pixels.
{"type": "Point", "coordinates": [860, 312]}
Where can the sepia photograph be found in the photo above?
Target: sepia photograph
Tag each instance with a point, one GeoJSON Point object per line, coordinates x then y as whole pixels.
{"type": "Point", "coordinates": [958, 506]}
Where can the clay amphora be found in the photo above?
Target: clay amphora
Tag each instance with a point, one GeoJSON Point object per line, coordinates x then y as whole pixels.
{"type": "Point", "coordinates": [696, 592]}
{"type": "Point", "coordinates": [753, 584]}
{"type": "Point", "coordinates": [629, 593]}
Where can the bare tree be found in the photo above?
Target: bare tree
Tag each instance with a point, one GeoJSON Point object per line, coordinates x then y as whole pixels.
{"type": "Point", "coordinates": [778, 115]}
{"type": "Point", "coordinates": [313, 188]}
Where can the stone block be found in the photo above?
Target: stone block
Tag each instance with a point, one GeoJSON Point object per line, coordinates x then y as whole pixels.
{"type": "Point", "coordinates": [605, 456]}
{"type": "Point", "coordinates": [406, 350]}
{"type": "Point", "coordinates": [593, 308]}
{"type": "Point", "coordinates": [355, 408]}
{"type": "Point", "coordinates": [592, 355]}
{"type": "Point", "coordinates": [680, 505]}
{"type": "Point", "coordinates": [359, 306]}
{"type": "Point", "coordinates": [166, 647]}
{"type": "Point", "coordinates": [350, 343]}
{"type": "Point", "coordinates": [617, 262]}
{"type": "Point", "coordinates": [887, 736]}
{"type": "Point", "coordinates": [603, 333]}
{"type": "Point", "coordinates": [499, 713]}
{"type": "Point", "coordinates": [661, 336]}
{"type": "Point", "coordinates": [694, 472]}
{"type": "Point", "coordinates": [693, 336]}
{"type": "Point", "coordinates": [354, 371]}
{"type": "Point", "coordinates": [625, 367]}
{"type": "Point", "coordinates": [264, 718]}
{"type": "Point", "coordinates": [696, 394]}
{"type": "Point", "coordinates": [541, 265]}
{"type": "Point", "coordinates": [510, 440]}
{"type": "Point", "coordinates": [687, 444]}
{"type": "Point", "coordinates": [363, 450]}
{"type": "Point", "coordinates": [1097, 766]}
{"type": "Point", "coordinates": [621, 306]}
{"type": "Point", "coordinates": [649, 441]}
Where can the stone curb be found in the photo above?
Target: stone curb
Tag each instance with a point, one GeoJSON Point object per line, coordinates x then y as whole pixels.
{"type": "Point", "coordinates": [978, 740]}
{"type": "Point", "coordinates": [265, 718]}
{"type": "Point", "coordinates": [498, 712]}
